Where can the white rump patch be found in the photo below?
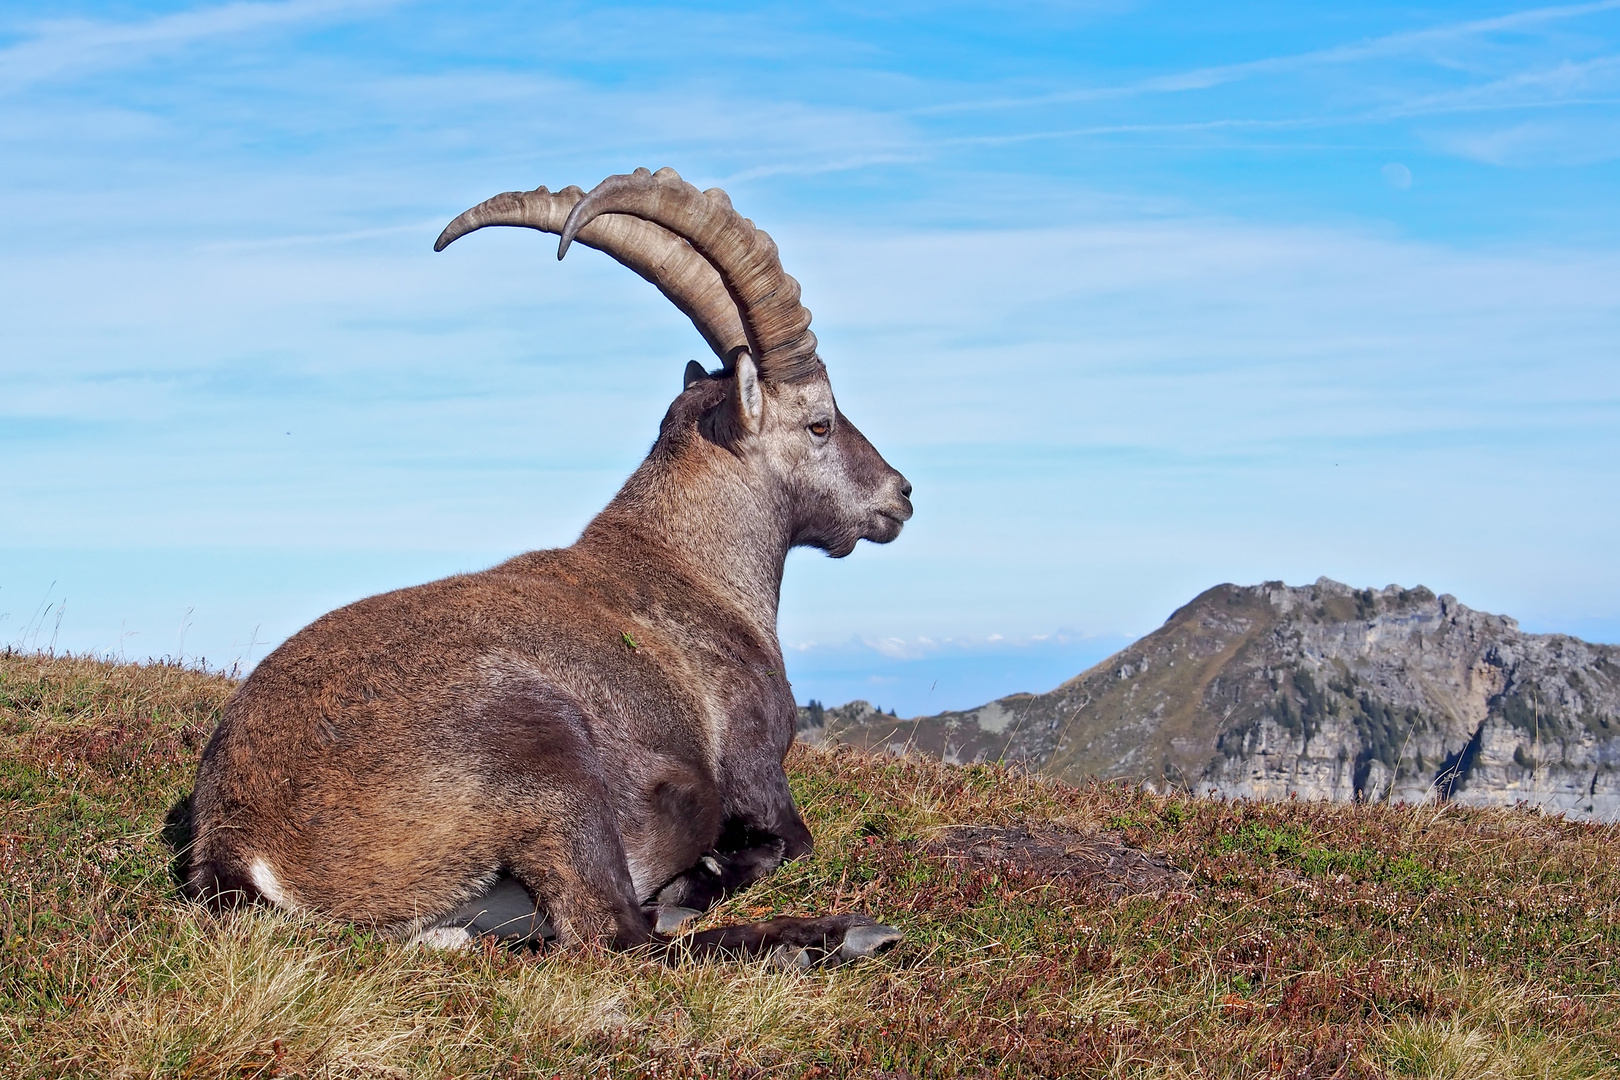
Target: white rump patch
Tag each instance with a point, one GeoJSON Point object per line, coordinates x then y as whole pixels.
{"type": "Point", "coordinates": [452, 938]}
{"type": "Point", "coordinates": [264, 879]}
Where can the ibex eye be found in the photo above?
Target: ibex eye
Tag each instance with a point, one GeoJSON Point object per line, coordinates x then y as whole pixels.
{"type": "Point", "coordinates": [820, 428]}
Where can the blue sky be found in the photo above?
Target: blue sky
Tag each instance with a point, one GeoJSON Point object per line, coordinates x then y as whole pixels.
{"type": "Point", "coordinates": [1142, 297]}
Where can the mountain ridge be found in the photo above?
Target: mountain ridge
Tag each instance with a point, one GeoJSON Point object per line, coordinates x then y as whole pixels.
{"type": "Point", "coordinates": [1316, 691]}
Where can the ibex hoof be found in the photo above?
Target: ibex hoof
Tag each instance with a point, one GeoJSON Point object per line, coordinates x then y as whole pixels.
{"type": "Point", "coordinates": [863, 941]}
{"type": "Point", "coordinates": [670, 918]}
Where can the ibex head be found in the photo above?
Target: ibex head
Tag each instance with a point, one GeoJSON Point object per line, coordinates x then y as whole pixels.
{"type": "Point", "coordinates": [769, 407]}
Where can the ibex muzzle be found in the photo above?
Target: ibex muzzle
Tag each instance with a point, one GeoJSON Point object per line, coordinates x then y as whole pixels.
{"type": "Point", "coordinates": [585, 742]}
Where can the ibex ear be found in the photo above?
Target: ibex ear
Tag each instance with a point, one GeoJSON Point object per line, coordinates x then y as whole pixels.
{"type": "Point", "coordinates": [694, 375]}
{"type": "Point", "coordinates": [750, 398]}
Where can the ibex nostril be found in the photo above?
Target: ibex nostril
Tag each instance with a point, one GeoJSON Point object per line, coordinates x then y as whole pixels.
{"type": "Point", "coordinates": [905, 488]}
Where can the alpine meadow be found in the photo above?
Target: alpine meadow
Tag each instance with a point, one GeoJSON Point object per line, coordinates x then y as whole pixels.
{"type": "Point", "coordinates": [1050, 930]}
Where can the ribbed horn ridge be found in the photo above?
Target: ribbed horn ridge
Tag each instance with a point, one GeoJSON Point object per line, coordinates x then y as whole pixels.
{"type": "Point", "coordinates": [688, 279]}
{"type": "Point", "coordinates": [778, 326]}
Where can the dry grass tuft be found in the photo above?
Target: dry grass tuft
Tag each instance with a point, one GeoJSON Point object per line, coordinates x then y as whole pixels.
{"type": "Point", "coordinates": [1496, 1035]}
{"type": "Point", "coordinates": [255, 992]}
{"type": "Point", "coordinates": [1299, 940]}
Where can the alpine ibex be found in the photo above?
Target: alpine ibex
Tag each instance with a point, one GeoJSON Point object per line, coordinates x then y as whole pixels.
{"type": "Point", "coordinates": [588, 741]}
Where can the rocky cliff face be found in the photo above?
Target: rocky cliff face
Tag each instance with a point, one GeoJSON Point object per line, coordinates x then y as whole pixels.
{"type": "Point", "coordinates": [1321, 691]}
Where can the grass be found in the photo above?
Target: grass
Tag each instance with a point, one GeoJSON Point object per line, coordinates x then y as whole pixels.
{"type": "Point", "coordinates": [1310, 940]}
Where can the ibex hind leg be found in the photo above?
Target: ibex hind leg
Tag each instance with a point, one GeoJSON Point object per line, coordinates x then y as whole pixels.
{"type": "Point", "coordinates": [575, 868]}
{"type": "Point", "coordinates": [507, 914]}
{"type": "Point", "coordinates": [572, 887]}
{"type": "Point", "coordinates": [562, 842]}
{"type": "Point", "coordinates": [510, 916]}
{"type": "Point", "coordinates": [796, 942]}
{"type": "Point", "coordinates": [576, 872]}
{"type": "Point", "coordinates": [564, 889]}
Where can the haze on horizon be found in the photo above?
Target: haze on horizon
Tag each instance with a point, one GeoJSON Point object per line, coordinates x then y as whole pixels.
{"type": "Point", "coordinates": [1142, 297]}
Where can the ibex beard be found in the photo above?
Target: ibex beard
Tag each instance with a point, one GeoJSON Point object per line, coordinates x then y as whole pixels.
{"type": "Point", "coordinates": [587, 742]}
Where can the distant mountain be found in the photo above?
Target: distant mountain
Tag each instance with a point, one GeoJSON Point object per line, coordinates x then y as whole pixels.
{"type": "Point", "coordinates": [1323, 691]}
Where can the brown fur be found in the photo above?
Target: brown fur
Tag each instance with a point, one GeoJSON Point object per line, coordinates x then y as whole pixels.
{"type": "Point", "coordinates": [605, 722]}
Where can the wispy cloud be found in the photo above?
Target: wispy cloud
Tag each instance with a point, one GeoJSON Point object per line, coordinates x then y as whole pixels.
{"type": "Point", "coordinates": [420, 227]}
{"type": "Point", "coordinates": [829, 165]}
{"type": "Point", "coordinates": [1478, 100]}
{"type": "Point", "coordinates": [1095, 130]}
{"type": "Point", "coordinates": [65, 47]}
{"type": "Point", "coordinates": [921, 675]}
{"type": "Point", "coordinates": [1562, 142]}
{"type": "Point", "coordinates": [1565, 83]}
{"type": "Point", "coordinates": [1209, 77]}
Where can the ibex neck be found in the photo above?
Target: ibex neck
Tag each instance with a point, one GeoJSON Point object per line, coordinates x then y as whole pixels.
{"type": "Point", "coordinates": [718, 518]}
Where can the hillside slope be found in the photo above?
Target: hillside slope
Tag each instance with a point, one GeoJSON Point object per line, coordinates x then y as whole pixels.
{"type": "Point", "coordinates": [1096, 931]}
{"type": "Point", "coordinates": [1320, 691]}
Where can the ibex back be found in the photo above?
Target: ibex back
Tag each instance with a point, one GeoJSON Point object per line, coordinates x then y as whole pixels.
{"type": "Point", "coordinates": [578, 741]}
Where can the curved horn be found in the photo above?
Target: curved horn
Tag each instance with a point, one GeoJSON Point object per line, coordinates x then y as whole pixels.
{"type": "Point", "coordinates": [688, 279]}
{"type": "Point", "coordinates": [778, 325]}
